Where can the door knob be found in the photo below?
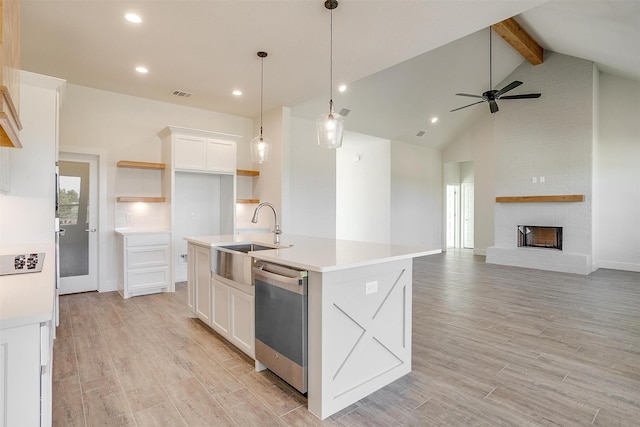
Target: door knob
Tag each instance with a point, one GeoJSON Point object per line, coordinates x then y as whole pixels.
{"type": "Point", "coordinates": [92, 230]}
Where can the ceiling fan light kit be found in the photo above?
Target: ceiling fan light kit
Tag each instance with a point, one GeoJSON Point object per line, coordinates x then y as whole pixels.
{"type": "Point", "coordinates": [492, 95]}
{"type": "Point", "coordinates": [261, 146]}
{"type": "Point", "coordinates": [330, 126]}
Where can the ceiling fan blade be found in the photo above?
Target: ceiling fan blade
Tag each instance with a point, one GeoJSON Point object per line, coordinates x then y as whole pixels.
{"type": "Point", "coordinates": [508, 87]}
{"type": "Point", "coordinates": [523, 96]}
{"type": "Point", "coordinates": [493, 106]}
{"type": "Point", "coordinates": [467, 94]}
{"type": "Point", "coordinates": [479, 102]}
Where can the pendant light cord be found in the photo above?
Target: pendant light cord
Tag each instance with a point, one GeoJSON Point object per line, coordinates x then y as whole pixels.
{"type": "Point", "coordinates": [261, 91]}
{"type": "Point", "coordinates": [331, 62]}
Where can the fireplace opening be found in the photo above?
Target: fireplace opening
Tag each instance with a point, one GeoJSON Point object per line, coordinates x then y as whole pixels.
{"type": "Point", "coordinates": [533, 236]}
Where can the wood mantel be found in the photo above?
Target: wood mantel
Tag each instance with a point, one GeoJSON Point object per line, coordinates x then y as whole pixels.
{"type": "Point", "coordinates": [541, 199]}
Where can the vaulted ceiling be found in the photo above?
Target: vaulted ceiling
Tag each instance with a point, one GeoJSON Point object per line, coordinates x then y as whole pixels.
{"type": "Point", "coordinates": [402, 60]}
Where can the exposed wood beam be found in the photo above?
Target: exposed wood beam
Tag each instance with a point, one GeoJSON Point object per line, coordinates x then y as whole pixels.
{"type": "Point", "coordinates": [521, 41]}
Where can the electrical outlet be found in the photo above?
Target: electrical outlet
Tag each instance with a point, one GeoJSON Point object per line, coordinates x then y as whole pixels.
{"type": "Point", "coordinates": [129, 217]}
{"type": "Point", "coordinates": [183, 258]}
{"type": "Point", "coordinates": [542, 179]}
{"type": "Point", "coordinates": [371, 287]}
{"type": "Point", "coordinates": [534, 180]}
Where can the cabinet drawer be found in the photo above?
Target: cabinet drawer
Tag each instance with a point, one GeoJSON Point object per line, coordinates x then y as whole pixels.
{"type": "Point", "coordinates": [147, 239]}
{"type": "Point", "coordinates": [148, 256]}
{"type": "Point", "coordinates": [148, 278]}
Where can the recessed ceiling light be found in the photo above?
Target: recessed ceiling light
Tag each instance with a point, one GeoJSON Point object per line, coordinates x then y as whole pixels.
{"type": "Point", "coordinates": [142, 70]}
{"type": "Point", "coordinates": [342, 88]}
{"type": "Point", "coordinates": [237, 92]}
{"type": "Point", "coordinates": [434, 119]}
{"type": "Point", "coordinates": [132, 17]}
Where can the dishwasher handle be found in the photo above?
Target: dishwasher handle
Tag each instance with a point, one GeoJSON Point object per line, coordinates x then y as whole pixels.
{"type": "Point", "coordinates": [281, 276]}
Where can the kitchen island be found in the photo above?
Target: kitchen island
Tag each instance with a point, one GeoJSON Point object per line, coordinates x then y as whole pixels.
{"type": "Point", "coordinates": [359, 311]}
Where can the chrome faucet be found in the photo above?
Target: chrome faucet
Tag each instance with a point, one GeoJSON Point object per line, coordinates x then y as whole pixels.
{"type": "Point", "coordinates": [276, 230]}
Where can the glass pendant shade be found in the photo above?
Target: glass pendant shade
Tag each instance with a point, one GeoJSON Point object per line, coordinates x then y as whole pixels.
{"type": "Point", "coordinates": [330, 128]}
{"type": "Point", "coordinates": [260, 149]}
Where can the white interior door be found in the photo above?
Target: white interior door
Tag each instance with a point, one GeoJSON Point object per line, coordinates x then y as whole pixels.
{"type": "Point", "coordinates": [78, 214]}
{"type": "Point", "coordinates": [452, 216]}
{"type": "Point", "coordinates": [467, 215]}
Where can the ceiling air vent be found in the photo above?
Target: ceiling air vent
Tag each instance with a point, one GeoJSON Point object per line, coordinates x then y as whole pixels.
{"type": "Point", "coordinates": [344, 112]}
{"type": "Point", "coordinates": [420, 133]}
{"type": "Point", "coordinates": [181, 93]}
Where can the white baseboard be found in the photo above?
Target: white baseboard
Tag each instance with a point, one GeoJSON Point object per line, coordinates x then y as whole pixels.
{"type": "Point", "coordinates": [615, 265]}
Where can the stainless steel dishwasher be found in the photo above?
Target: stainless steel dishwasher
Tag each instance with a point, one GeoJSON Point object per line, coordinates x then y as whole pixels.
{"type": "Point", "coordinates": [281, 321]}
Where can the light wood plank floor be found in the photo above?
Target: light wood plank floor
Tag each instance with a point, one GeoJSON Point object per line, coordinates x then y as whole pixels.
{"type": "Point", "coordinates": [492, 346]}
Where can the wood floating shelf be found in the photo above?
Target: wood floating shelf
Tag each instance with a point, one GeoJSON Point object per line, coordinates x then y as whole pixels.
{"type": "Point", "coordinates": [141, 199]}
{"type": "Point", "coordinates": [140, 165]}
{"type": "Point", "coordinates": [541, 199]}
{"type": "Point", "coordinates": [248, 201]}
{"type": "Point", "coordinates": [245, 172]}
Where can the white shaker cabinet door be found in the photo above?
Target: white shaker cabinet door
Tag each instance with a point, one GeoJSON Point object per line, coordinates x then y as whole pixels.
{"type": "Point", "coordinates": [189, 152]}
{"type": "Point", "coordinates": [220, 308]}
{"type": "Point", "coordinates": [242, 328]}
{"type": "Point", "coordinates": [220, 156]}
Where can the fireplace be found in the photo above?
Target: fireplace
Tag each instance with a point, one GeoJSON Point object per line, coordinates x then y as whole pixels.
{"type": "Point", "coordinates": [534, 236]}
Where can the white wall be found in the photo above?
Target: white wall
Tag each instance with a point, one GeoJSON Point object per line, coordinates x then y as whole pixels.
{"type": "Point", "coordinates": [197, 212]}
{"type": "Point", "coordinates": [312, 183]}
{"type": "Point", "coordinates": [27, 213]}
{"type": "Point", "coordinates": [476, 143]}
{"type": "Point", "coordinates": [618, 174]}
{"type": "Point", "coordinates": [416, 196]}
{"type": "Point", "coordinates": [363, 188]}
{"type": "Point", "coordinates": [122, 127]}
{"type": "Point", "coordinates": [268, 187]}
{"type": "Point", "coordinates": [467, 172]}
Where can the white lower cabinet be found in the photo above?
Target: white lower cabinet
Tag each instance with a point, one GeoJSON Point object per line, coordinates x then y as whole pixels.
{"type": "Point", "coordinates": [220, 319]}
{"type": "Point", "coordinates": [242, 321]}
{"type": "Point", "coordinates": [226, 309]}
{"type": "Point", "coordinates": [26, 354]}
{"type": "Point", "coordinates": [233, 315]}
{"type": "Point", "coordinates": [144, 261]}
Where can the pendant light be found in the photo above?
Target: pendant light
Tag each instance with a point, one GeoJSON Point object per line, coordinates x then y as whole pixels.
{"type": "Point", "coordinates": [331, 125]}
{"type": "Point", "coordinates": [261, 146]}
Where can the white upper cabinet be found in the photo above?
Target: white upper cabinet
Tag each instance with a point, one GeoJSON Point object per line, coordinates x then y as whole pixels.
{"type": "Point", "coordinates": [202, 151]}
{"type": "Point", "coordinates": [188, 152]}
{"type": "Point", "coordinates": [220, 155]}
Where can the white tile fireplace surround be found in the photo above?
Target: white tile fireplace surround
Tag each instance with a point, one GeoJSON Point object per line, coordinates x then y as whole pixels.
{"type": "Point", "coordinates": [575, 256]}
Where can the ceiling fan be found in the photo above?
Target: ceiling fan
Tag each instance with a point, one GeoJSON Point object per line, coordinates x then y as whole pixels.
{"type": "Point", "coordinates": [492, 95]}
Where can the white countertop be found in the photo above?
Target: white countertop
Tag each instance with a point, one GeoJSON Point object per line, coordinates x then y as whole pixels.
{"type": "Point", "coordinates": [318, 254]}
{"type": "Point", "coordinates": [28, 298]}
{"type": "Point", "coordinates": [130, 231]}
